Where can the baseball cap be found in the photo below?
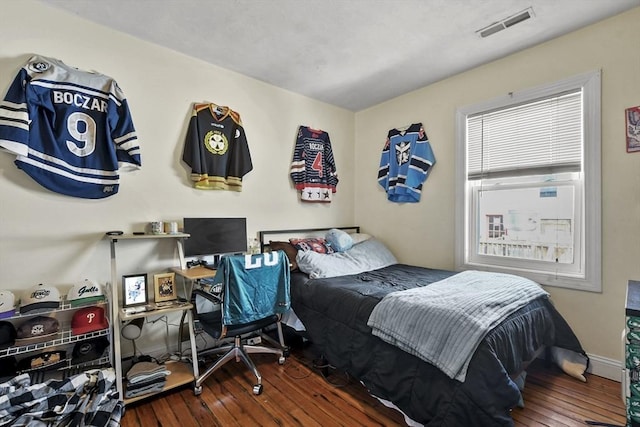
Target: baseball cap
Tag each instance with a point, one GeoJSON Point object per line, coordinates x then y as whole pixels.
{"type": "Point", "coordinates": [85, 351]}
{"type": "Point", "coordinates": [48, 360]}
{"type": "Point", "coordinates": [8, 367]}
{"type": "Point", "coordinates": [7, 304]}
{"type": "Point", "coordinates": [88, 319]}
{"type": "Point", "coordinates": [7, 334]}
{"type": "Point", "coordinates": [40, 296]}
{"type": "Point", "coordinates": [85, 292]}
{"type": "Point", "coordinates": [37, 329]}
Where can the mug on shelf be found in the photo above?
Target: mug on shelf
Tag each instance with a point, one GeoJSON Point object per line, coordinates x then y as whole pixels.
{"type": "Point", "coordinates": [171, 227]}
{"type": "Point", "coordinates": [156, 227]}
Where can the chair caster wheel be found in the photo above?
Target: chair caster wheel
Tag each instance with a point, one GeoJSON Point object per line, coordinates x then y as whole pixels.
{"type": "Point", "coordinates": [281, 360]}
{"type": "Point", "coordinates": [197, 390]}
{"type": "Point", "coordinates": [257, 389]}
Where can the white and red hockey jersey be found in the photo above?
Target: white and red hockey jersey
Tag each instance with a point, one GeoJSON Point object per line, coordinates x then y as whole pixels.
{"type": "Point", "coordinates": [70, 129]}
{"type": "Point", "coordinates": [313, 169]}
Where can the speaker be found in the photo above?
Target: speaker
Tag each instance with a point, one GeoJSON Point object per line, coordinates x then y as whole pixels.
{"type": "Point", "coordinates": [133, 329]}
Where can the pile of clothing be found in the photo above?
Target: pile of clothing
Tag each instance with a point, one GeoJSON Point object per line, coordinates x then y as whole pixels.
{"type": "Point", "coordinates": [86, 399]}
{"type": "Point", "coordinates": [144, 378]}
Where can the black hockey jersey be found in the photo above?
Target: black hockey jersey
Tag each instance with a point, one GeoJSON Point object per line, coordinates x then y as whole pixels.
{"type": "Point", "coordinates": [313, 169]}
{"type": "Point", "coordinates": [216, 148]}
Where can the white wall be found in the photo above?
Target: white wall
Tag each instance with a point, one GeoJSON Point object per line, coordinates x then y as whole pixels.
{"type": "Point", "coordinates": [422, 233]}
{"type": "Point", "coordinates": [58, 240]}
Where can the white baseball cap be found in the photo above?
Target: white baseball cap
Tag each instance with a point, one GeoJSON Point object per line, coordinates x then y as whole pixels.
{"type": "Point", "coordinates": [40, 296]}
{"type": "Point", "coordinates": [7, 304]}
{"type": "Point", "coordinates": [87, 291]}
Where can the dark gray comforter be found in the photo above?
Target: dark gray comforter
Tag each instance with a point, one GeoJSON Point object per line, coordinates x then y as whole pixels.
{"type": "Point", "coordinates": [335, 313]}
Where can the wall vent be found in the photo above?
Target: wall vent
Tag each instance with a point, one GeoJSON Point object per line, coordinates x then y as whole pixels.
{"type": "Point", "coordinates": [506, 23]}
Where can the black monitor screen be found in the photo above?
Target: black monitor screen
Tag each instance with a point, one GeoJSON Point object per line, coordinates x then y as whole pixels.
{"type": "Point", "coordinates": [215, 236]}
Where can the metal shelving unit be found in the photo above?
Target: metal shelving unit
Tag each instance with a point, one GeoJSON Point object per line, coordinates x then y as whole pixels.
{"type": "Point", "coordinates": [63, 339]}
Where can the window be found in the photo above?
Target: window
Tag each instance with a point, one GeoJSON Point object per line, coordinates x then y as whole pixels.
{"type": "Point", "coordinates": [528, 184]}
{"type": "Point", "coordinates": [495, 228]}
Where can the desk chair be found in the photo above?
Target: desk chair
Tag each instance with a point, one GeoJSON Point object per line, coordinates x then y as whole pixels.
{"type": "Point", "coordinates": [250, 292]}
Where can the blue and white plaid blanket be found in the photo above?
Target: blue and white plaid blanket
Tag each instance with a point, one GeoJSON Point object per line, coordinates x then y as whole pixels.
{"type": "Point", "coordinates": [87, 399]}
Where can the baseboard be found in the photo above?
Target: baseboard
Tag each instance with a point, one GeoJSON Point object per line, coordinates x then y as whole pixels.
{"type": "Point", "coordinates": [605, 367]}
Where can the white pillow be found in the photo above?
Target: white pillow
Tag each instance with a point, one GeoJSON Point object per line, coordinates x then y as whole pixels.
{"type": "Point", "coordinates": [359, 237]}
{"type": "Point", "coordinates": [366, 256]}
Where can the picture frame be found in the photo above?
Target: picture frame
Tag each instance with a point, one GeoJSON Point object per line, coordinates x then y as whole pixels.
{"type": "Point", "coordinates": [164, 286]}
{"type": "Point", "coordinates": [632, 129]}
{"type": "Point", "coordinates": [134, 290]}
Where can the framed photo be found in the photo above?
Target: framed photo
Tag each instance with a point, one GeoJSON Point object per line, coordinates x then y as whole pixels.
{"type": "Point", "coordinates": [134, 290]}
{"type": "Point", "coordinates": [632, 130]}
{"type": "Point", "coordinates": [165, 287]}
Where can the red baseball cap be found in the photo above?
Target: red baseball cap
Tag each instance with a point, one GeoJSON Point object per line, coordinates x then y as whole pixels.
{"type": "Point", "coordinates": [88, 319]}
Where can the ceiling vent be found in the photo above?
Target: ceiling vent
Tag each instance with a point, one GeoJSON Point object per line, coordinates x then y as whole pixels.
{"type": "Point", "coordinates": [506, 23]}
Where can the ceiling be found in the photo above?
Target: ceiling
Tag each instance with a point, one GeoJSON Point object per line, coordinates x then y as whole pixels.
{"type": "Point", "coordinates": [348, 53]}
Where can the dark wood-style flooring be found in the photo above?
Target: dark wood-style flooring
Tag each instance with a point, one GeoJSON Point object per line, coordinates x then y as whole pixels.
{"type": "Point", "coordinates": [296, 394]}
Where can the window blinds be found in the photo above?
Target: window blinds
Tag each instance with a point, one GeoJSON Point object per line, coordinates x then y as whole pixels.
{"type": "Point", "coordinates": [540, 137]}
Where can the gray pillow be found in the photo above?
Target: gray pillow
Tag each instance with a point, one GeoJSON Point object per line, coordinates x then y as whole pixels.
{"type": "Point", "coordinates": [368, 255]}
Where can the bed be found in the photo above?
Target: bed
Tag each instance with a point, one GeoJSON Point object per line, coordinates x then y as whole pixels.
{"type": "Point", "coordinates": [335, 298]}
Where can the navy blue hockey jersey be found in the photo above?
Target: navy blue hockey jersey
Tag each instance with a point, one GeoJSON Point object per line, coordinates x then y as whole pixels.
{"type": "Point", "coordinates": [405, 164]}
{"type": "Point", "coordinates": [313, 168]}
{"type": "Point", "coordinates": [70, 129]}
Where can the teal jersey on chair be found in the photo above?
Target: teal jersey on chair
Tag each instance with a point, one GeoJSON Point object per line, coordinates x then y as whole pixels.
{"type": "Point", "coordinates": [255, 286]}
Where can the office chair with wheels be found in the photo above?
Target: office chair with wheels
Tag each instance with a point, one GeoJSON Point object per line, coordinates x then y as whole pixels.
{"type": "Point", "coordinates": [249, 293]}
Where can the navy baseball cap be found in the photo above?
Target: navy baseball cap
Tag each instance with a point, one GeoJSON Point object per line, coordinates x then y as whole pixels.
{"type": "Point", "coordinates": [8, 367]}
{"type": "Point", "coordinates": [88, 350]}
{"type": "Point", "coordinates": [7, 334]}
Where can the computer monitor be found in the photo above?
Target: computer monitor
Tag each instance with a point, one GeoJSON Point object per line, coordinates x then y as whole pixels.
{"type": "Point", "coordinates": [215, 236]}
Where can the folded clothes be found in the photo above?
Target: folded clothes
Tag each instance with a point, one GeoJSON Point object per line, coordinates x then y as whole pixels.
{"type": "Point", "coordinates": [151, 377]}
{"type": "Point", "coordinates": [145, 390]}
{"type": "Point", "coordinates": [142, 384]}
{"type": "Point", "coordinates": [143, 371]}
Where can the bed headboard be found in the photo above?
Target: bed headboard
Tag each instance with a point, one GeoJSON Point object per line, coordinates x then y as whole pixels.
{"type": "Point", "coordinates": [267, 235]}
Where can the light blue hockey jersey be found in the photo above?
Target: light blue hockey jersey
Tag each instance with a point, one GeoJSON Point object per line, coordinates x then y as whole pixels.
{"type": "Point", "coordinates": [405, 163]}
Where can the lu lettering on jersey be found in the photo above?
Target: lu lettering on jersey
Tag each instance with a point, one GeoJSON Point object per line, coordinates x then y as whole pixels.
{"type": "Point", "coordinates": [313, 168]}
{"type": "Point", "coordinates": [71, 130]}
{"type": "Point", "coordinates": [405, 164]}
{"type": "Point", "coordinates": [216, 148]}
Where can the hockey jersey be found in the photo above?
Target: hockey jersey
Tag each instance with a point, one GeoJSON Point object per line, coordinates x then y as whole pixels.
{"type": "Point", "coordinates": [313, 168]}
{"type": "Point", "coordinates": [216, 148]}
{"type": "Point", "coordinates": [71, 130]}
{"type": "Point", "coordinates": [405, 164]}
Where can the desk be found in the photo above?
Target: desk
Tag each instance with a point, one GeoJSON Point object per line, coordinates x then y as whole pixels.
{"type": "Point", "coordinates": [190, 275]}
{"type": "Point", "coordinates": [194, 273]}
{"type": "Point", "coordinates": [185, 374]}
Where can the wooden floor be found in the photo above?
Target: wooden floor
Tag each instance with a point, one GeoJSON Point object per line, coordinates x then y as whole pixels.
{"type": "Point", "coordinates": [296, 394]}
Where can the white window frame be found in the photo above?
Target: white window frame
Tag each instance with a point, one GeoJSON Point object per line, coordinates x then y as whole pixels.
{"type": "Point", "coordinates": [590, 276]}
